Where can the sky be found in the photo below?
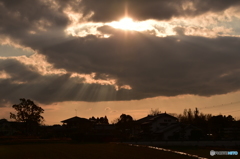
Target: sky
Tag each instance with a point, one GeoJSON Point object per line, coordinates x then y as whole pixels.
{"type": "Point", "coordinates": [96, 58]}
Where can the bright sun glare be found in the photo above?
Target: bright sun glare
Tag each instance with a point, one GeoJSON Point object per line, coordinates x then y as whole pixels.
{"type": "Point", "coordinates": [127, 24]}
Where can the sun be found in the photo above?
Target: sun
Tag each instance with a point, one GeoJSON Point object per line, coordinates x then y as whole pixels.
{"type": "Point", "coordinates": [127, 24]}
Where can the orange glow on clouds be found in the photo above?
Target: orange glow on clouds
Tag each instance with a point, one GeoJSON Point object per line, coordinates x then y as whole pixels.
{"type": "Point", "coordinates": [39, 63]}
{"type": "Point", "coordinates": [128, 24]}
{"type": "Point", "coordinates": [4, 75]}
{"type": "Point", "coordinates": [210, 26]}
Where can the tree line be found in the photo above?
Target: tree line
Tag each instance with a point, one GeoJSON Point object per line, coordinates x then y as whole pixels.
{"type": "Point", "coordinates": [213, 125]}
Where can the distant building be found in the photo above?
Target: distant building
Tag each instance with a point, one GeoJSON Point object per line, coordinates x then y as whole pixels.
{"type": "Point", "coordinates": [76, 122]}
{"type": "Point", "coordinates": [231, 133]}
{"type": "Point", "coordinates": [179, 131]}
{"type": "Point", "coordinates": [150, 123]}
{"type": "Point", "coordinates": [76, 127]}
{"type": "Point", "coordinates": [166, 127]}
{"type": "Point", "coordinates": [8, 128]}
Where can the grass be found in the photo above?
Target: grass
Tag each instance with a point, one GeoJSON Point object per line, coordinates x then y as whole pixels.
{"type": "Point", "coordinates": [82, 151]}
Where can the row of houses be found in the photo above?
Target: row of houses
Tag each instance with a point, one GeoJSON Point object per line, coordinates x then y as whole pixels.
{"type": "Point", "coordinates": [159, 127]}
{"type": "Point", "coordinates": [152, 127]}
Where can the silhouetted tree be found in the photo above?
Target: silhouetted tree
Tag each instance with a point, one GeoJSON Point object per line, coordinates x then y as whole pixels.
{"type": "Point", "coordinates": [125, 124]}
{"type": "Point", "coordinates": [193, 117]}
{"type": "Point", "coordinates": [29, 113]}
{"type": "Point", "coordinates": [125, 118]}
{"type": "Point", "coordinates": [154, 112]}
{"type": "Point", "coordinates": [218, 123]}
{"type": "Point", "coordinates": [196, 113]}
{"type": "Point", "coordinates": [190, 116]}
{"type": "Point", "coordinates": [99, 121]}
{"type": "Point", "coordinates": [196, 118]}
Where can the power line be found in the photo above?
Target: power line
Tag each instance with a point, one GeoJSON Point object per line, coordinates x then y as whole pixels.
{"type": "Point", "coordinates": [232, 111]}
{"type": "Point", "coordinates": [216, 106]}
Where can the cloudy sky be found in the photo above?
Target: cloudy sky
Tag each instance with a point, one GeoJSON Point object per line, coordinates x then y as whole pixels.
{"type": "Point", "coordinates": [108, 57]}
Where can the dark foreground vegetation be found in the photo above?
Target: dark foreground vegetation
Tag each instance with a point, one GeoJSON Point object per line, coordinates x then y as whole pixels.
{"type": "Point", "coordinates": [84, 151]}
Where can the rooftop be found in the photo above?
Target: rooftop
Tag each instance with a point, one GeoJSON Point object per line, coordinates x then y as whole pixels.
{"type": "Point", "coordinates": [75, 119]}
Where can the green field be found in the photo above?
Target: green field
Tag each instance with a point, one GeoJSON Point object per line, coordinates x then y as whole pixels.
{"type": "Point", "coordinates": [81, 151]}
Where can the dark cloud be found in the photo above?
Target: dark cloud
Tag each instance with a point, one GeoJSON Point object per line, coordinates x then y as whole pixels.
{"type": "Point", "coordinates": [152, 66]}
{"type": "Point", "coordinates": [4, 103]}
{"type": "Point", "coordinates": [109, 10]}
{"type": "Point", "coordinates": [25, 82]}
{"type": "Point", "coordinates": [155, 66]}
{"type": "Point", "coordinates": [32, 22]}
{"type": "Point", "coordinates": [17, 71]}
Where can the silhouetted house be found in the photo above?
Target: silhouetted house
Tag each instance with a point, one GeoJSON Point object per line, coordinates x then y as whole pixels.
{"type": "Point", "coordinates": [104, 129]}
{"type": "Point", "coordinates": [6, 128]}
{"type": "Point", "coordinates": [179, 131]}
{"type": "Point", "coordinates": [11, 128]}
{"type": "Point", "coordinates": [232, 133]}
{"type": "Point", "coordinates": [80, 124]}
{"type": "Point", "coordinates": [52, 131]}
{"type": "Point", "coordinates": [151, 124]}
{"type": "Point", "coordinates": [103, 133]}
{"type": "Point", "coordinates": [166, 127]}
{"type": "Point", "coordinates": [76, 122]}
